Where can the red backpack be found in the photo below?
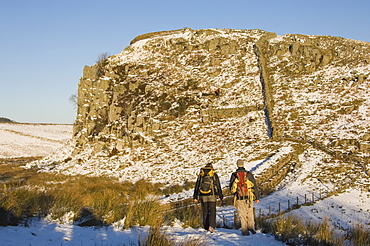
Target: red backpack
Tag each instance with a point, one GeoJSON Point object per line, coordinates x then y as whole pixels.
{"type": "Point", "coordinates": [242, 188]}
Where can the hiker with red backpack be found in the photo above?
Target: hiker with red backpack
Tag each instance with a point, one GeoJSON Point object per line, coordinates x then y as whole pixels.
{"type": "Point", "coordinates": [244, 188]}
{"type": "Point", "coordinates": [207, 190]}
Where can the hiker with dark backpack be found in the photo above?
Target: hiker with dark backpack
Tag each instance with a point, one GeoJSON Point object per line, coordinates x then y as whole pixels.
{"type": "Point", "coordinates": [244, 188]}
{"type": "Point", "coordinates": [207, 189]}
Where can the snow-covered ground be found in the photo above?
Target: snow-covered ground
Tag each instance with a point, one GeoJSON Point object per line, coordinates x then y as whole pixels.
{"type": "Point", "coordinates": [18, 140]}
{"type": "Point", "coordinates": [45, 233]}
{"type": "Point", "coordinates": [29, 140]}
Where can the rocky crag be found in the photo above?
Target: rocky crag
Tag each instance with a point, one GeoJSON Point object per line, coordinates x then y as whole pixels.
{"type": "Point", "coordinates": [174, 100]}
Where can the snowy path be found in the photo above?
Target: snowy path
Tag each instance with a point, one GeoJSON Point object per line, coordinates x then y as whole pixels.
{"type": "Point", "coordinates": [43, 233]}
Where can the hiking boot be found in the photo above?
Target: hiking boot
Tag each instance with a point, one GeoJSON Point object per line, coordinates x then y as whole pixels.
{"type": "Point", "coordinates": [253, 231]}
{"type": "Point", "coordinates": [245, 233]}
{"type": "Point", "coordinates": [210, 229]}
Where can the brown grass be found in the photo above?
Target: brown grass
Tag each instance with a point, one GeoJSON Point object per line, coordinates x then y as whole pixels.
{"type": "Point", "coordinates": [158, 237]}
{"type": "Point", "coordinates": [92, 200]}
{"type": "Point", "coordinates": [106, 199]}
{"type": "Point", "coordinates": [360, 235]}
{"type": "Point", "coordinates": [294, 230]}
{"type": "Point", "coordinates": [190, 215]}
{"type": "Point", "coordinates": [97, 201]}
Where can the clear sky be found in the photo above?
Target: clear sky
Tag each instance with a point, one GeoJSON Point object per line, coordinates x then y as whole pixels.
{"type": "Point", "coordinates": [44, 44]}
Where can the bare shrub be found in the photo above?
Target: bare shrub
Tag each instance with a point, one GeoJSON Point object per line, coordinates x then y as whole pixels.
{"type": "Point", "coordinates": [101, 63]}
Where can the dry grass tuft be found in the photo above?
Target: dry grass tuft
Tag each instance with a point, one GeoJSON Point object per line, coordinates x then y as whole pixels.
{"type": "Point", "coordinates": [294, 230]}
{"type": "Point", "coordinates": [360, 235]}
{"type": "Point", "coordinates": [89, 200]}
{"type": "Point", "coordinates": [158, 237]}
{"type": "Point", "coordinates": [190, 215]}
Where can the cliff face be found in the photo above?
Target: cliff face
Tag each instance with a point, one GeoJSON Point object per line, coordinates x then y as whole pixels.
{"type": "Point", "coordinates": [165, 76]}
{"type": "Point", "coordinates": [155, 103]}
{"type": "Point", "coordinates": [306, 85]}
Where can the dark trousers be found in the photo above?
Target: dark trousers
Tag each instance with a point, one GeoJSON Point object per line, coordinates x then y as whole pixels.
{"type": "Point", "coordinates": [209, 214]}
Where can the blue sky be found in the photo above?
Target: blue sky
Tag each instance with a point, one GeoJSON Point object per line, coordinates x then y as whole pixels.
{"type": "Point", "coordinates": [44, 44]}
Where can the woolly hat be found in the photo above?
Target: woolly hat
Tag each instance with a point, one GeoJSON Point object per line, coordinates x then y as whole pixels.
{"type": "Point", "coordinates": [240, 163]}
{"type": "Point", "coordinates": [209, 165]}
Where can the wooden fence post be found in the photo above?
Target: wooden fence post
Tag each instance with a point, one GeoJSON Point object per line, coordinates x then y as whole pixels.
{"type": "Point", "coordinates": [279, 207]}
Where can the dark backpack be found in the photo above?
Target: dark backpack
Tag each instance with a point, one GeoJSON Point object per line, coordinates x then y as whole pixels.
{"type": "Point", "coordinates": [207, 181]}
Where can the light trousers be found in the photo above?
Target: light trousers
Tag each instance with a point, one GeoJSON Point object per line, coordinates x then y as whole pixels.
{"type": "Point", "coordinates": [245, 210]}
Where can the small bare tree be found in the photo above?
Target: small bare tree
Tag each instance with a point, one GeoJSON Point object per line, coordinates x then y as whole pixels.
{"type": "Point", "coordinates": [73, 99]}
{"type": "Point", "coordinates": [101, 63]}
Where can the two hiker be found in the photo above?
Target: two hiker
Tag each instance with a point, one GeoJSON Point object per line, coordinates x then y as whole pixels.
{"type": "Point", "coordinates": [242, 185]}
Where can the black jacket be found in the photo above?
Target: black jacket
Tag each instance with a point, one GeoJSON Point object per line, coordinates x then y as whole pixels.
{"type": "Point", "coordinates": [217, 191]}
{"type": "Point", "coordinates": [250, 177]}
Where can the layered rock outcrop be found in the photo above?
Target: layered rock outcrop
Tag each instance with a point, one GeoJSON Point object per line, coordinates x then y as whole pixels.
{"type": "Point", "coordinates": [172, 101]}
{"type": "Point", "coordinates": [163, 76]}
{"type": "Point", "coordinates": [303, 83]}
